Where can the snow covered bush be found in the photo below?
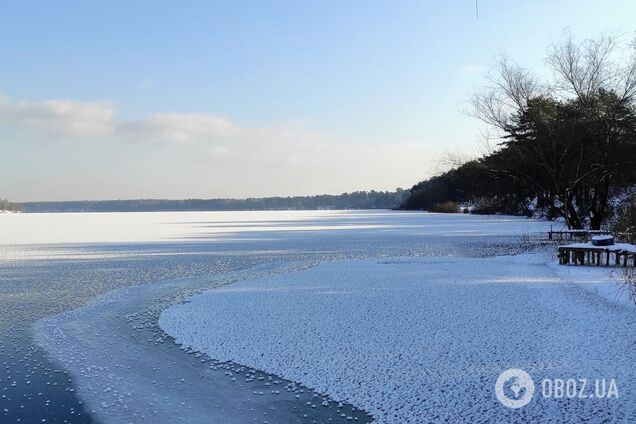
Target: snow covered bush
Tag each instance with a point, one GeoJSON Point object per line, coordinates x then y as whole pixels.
{"type": "Point", "coordinates": [508, 205]}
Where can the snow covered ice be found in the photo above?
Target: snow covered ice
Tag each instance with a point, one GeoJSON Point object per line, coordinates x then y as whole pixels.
{"type": "Point", "coordinates": [409, 317]}
{"type": "Point", "coordinates": [416, 340]}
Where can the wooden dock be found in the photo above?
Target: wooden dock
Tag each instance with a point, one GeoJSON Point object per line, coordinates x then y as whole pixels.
{"type": "Point", "coordinates": [570, 235]}
{"type": "Point", "coordinates": [587, 254]}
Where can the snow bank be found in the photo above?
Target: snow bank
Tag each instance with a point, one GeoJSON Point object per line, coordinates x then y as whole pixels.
{"type": "Point", "coordinates": [420, 340]}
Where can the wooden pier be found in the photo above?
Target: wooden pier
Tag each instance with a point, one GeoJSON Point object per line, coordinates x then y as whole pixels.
{"type": "Point", "coordinates": [587, 254]}
{"type": "Point", "coordinates": [570, 235]}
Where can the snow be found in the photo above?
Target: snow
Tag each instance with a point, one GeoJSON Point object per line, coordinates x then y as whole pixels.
{"type": "Point", "coordinates": [607, 283]}
{"type": "Point", "coordinates": [138, 227]}
{"type": "Point", "coordinates": [135, 227]}
{"type": "Point", "coordinates": [418, 339]}
{"type": "Point", "coordinates": [616, 247]}
{"type": "Point", "coordinates": [405, 315]}
{"type": "Point", "coordinates": [127, 371]}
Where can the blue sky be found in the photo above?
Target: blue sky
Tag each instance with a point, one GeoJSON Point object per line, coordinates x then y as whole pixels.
{"type": "Point", "coordinates": [123, 99]}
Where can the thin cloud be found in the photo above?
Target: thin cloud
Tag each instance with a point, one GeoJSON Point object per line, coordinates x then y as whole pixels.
{"type": "Point", "coordinates": [178, 128]}
{"type": "Point", "coordinates": [58, 118]}
{"type": "Point", "coordinates": [194, 154]}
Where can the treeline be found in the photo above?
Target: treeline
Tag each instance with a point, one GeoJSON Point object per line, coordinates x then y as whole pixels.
{"type": "Point", "coordinates": [355, 200]}
{"type": "Point", "coordinates": [5, 205]}
{"type": "Point", "coordinates": [568, 145]}
{"type": "Point", "coordinates": [473, 184]}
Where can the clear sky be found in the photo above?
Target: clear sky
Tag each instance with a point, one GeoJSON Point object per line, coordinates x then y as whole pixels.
{"type": "Point", "coordinates": [155, 99]}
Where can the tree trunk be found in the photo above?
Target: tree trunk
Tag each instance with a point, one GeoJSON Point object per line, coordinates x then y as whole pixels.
{"type": "Point", "coordinates": [571, 215]}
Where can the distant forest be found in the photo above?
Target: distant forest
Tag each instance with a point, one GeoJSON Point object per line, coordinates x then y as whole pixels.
{"type": "Point", "coordinates": [567, 144]}
{"type": "Point", "coordinates": [5, 205]}
{"type": "Point", "coordinates": [355, 200]}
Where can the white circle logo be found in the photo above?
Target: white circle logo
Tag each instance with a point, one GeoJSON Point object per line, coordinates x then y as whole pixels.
{"type": "Point", "coordinates": [514, 388]}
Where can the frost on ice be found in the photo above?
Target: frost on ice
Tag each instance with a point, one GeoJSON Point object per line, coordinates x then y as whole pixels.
{"type": "Point", "coordinates": [413, 340]}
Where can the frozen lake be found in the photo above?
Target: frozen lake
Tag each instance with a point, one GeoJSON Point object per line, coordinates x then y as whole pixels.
{"type": "Point", "coordinates": [110, 361]}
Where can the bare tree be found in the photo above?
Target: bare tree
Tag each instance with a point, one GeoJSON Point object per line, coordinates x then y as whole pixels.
{"type": "Point", "coordinates": [584, 69]}
{"type": "Point", "coordinates": [511, 87]}
{"type": "Point", "coordinates": [575, 127]}
{"type": "Point", "coordinates": [453, 159]}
